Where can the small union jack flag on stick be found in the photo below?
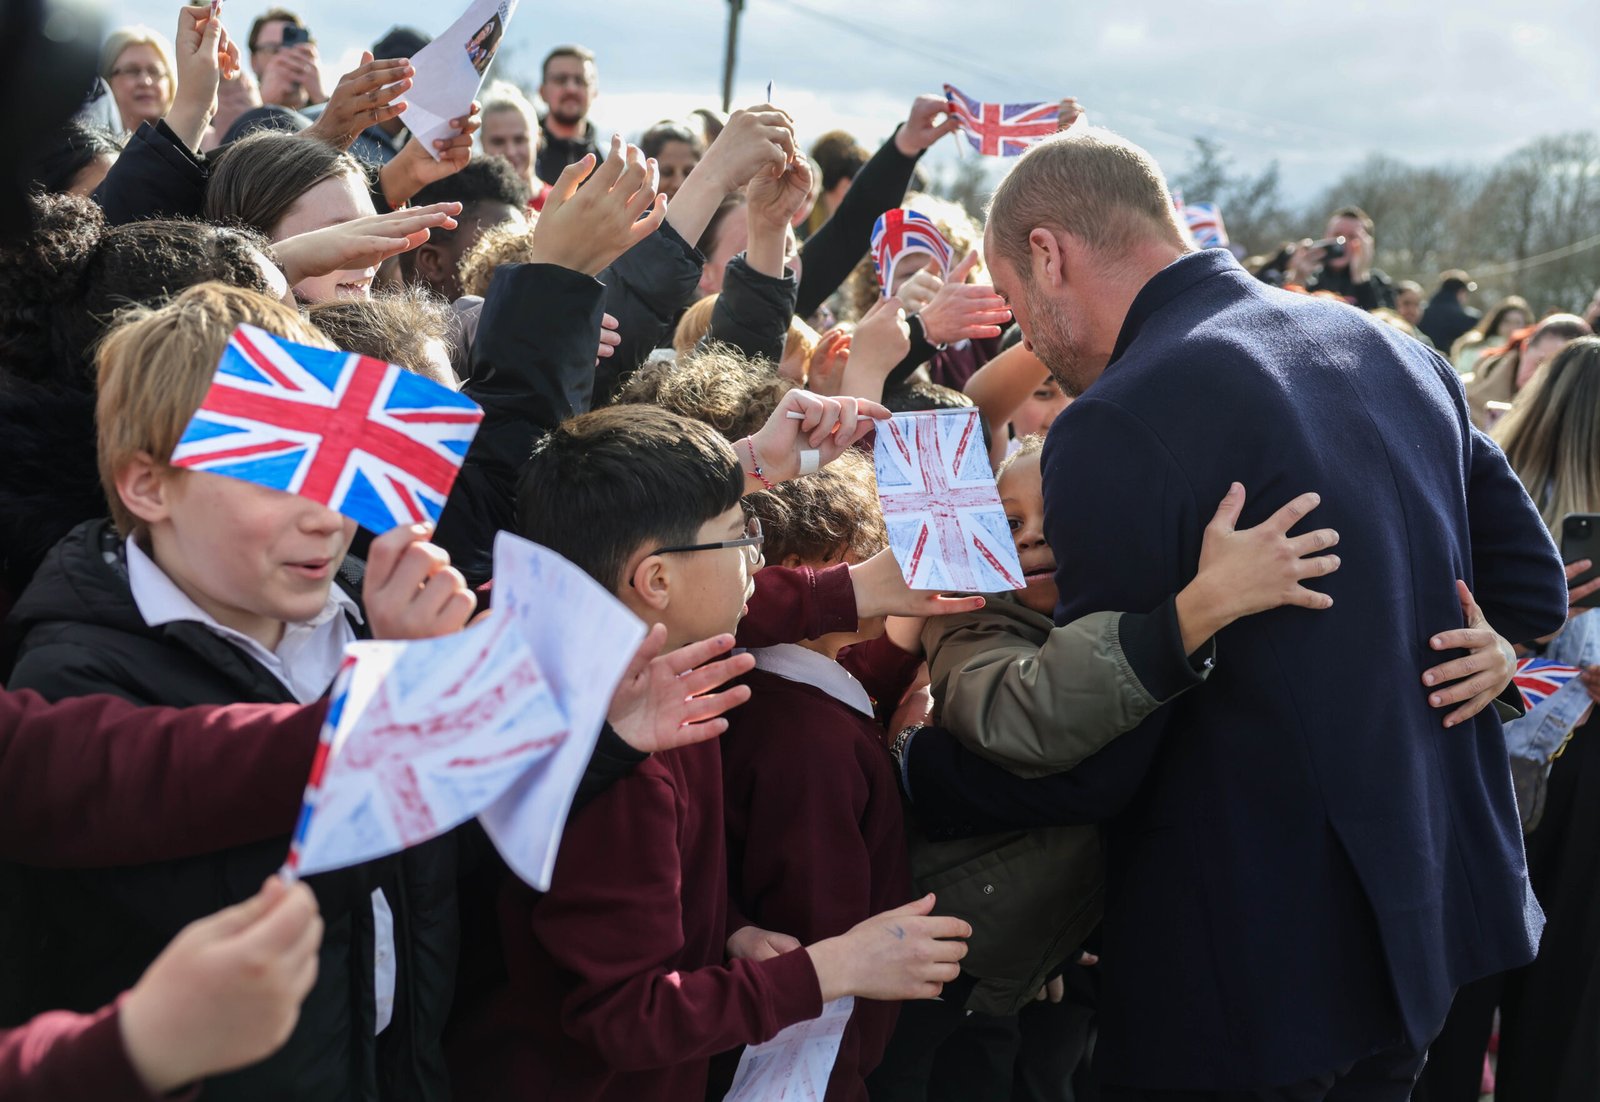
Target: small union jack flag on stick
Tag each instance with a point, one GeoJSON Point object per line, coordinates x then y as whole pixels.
{"type": "Point", "coordinates": [1205, 223]}
{"type": "Point", "coordinates": [900, 233]}
{"type": "Point", "coordinates": [1540, 679]}
{"type": "Point", "coordinates": [946, 526]}
{"type": "Point", "coordinates": [379, 444]}
{"type": "Point", "coordinates": [1003, 129]}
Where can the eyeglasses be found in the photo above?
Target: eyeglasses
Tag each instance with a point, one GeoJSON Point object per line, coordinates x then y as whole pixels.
{"type": "Point", "coordinates": [751, 543]}
{"type": "Point", "coordinates": [156, 73]}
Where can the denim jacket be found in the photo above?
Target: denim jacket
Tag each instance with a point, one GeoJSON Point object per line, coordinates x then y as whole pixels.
{"type": "Point", "coordinates": [1539, 734]}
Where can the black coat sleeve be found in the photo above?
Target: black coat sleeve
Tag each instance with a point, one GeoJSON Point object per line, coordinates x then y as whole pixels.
{"type": "Point", "coordinates": [156, 176]}
{"type": "Point", "coordinates": [753, 311]}
{"type": "Point", "coordinates": [831, 253]}
{"type": "Point", "coordinates": [532, 368]}
{"type": "Point", "coordinates": [646, 288]}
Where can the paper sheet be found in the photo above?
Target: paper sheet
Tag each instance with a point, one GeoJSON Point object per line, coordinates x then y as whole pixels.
{"type": "Point", "coordinates": [794, 1066]}
{"type": "Point", "coordinates": [947, 528]}
{"type": "Point", "coordinates": [451, 69]}
{"type": "Point", "coordinates": [583, 639]}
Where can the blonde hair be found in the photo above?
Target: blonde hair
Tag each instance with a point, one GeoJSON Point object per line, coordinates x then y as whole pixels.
{"type": "Point", "coordinates": [157, 364]}
{"type": "Point", "coordinates": [798, 345]}
{"type": "Point", "coordinates": [507, 243]}
{"type": "Point", "coordinates": [1090, 183]}
{"type": "Point", "coordinates": [694, 325]}
{"type": "Point", "coordinates": [1552, 434]}
{"type": "Point", "coordinates": [123, 37]}
{"type": "Point", "coordinates": [502, 95]}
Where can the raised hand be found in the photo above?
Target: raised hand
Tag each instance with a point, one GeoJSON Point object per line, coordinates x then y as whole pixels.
{"type": "Point", "coordinates": [609, 338]}
{"type": "Point", "coordinates": [881, 340]}
{"type": "Point", "coordinates": [361, 242]}
{"type": "Point", "coordinates": [1072, 112]}
{"type": "Point", "coordinates": [226, 992]}
{"type": "Point", "coordinates": [665, 701]}
{"type": "Point", "coordinates": [587, 228]}
{"type": "Point", "coordinates": [410, 590]}
{"type": "Point", "coordinates": [775, 192]}
{"type": "Point", "coordinates": [754, 943]}
{"type": "Point", "coordinates": [829, 359]}
{"type": "Point", "coordinates": [924, 126]}
{"type": "Point", "coordinates": [755, 139]}
{"type": "Point", "coordinates": [827, 426]}
{"type": "Point", "coordinates": [962, 311]}
{"type": "Point", "coordinates": [906, 953]}
{"type": "Point", "coordinates": [1479, 677]}
{"type": "Point", "coordinates": [918, 289]}
{"type": "Point", "coordinates": [414, 169]}
{"type": "Point", "coordinates": [365, 96]}
{"type": "Point", "coordinates": [204, 57]}
{"type": "Point", "coordinates": [881, 590]}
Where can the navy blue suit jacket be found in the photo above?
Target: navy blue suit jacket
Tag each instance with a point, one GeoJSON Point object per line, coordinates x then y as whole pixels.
{"type": "Point", "coordinates": [1303, 863]}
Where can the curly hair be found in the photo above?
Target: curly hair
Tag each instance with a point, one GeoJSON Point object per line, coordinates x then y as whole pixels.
{"type": "Point", "coordinates": [394, 326]}
{"type": "Point", "coordinates": [732, 393]}
{"type": "Point", "coordinates": [823, 517]}
{"type": "Point", "coordinates": [61, 286]}
{"type": "Point", "coordinates": [507, 243]}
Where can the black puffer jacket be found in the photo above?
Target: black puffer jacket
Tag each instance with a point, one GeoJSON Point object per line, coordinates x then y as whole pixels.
{"type": "Point", "coordinates": [76, 938]}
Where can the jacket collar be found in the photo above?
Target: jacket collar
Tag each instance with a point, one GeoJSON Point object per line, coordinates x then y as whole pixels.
{"type": "Point", "coordinates": [1166, 285]}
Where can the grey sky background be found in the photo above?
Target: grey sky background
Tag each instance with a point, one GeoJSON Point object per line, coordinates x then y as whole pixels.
{"type": "Point", "coordinates": [1313, 84]}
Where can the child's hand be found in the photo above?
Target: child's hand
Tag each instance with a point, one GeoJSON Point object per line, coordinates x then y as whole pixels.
{"type": "Point", "coordinates": [754, 943]}
{"type": "Point", "coordinates": [900, 954]}
{"type": "Point", "coordinates": [204, 57]}
{"type": "Point", "coordinates": [961, 311]}
{"type": "Point", "coordinates": [365, 96]}
{"type": "Point", "coordinates": [587, 228]}
{"type": "Point", "coordinates": [1250, 571]}
{"type": "Point", "coordinates": [881, 590]}
{"type": "Point", "coordinates": [1479, 677]}
{"type": "Point", "coordinates": [828, 362]}
{"type": "Point", "coordinates": [226, 992]}
{"type": "Point", "coordinates": [609, 338]}
{"type": "Point", "coordinates": [414, 169]}
{"type": "Point", "coordinates": [659, 704]}
{"type": "Point", "coordinates": [411, 591]}
{"type": "Point", "coordinates": [361, 242]}
{"type": "Point", "coordinates": [827, 426]}
{"type": "Point", "coordinates": [881, 340]}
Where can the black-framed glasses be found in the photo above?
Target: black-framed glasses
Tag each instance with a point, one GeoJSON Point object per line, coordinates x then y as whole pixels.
{"type": "Point", "coordinates": [751, 543]}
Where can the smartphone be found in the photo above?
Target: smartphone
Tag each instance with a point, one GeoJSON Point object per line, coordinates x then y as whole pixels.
{"type": "Point", "coordinates": [1580, 539]}
{"type": "Point", "coordinates": [296, 36]}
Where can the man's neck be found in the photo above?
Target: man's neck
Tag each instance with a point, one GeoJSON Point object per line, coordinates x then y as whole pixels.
{"type": "Point", "coordinates": [568, 131]}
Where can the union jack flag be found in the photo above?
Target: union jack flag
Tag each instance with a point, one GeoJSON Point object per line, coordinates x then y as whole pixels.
{"type": "Point", "coordinates": [379, 444]}
{"type": "Point", "coordinates": [899, 233]}
{"type": "Point", "coordinates": [1540, 679]}
{"type": "Point", "coordinates": [1205, 223]}
{"type": "Point", "coordinates": [946, 526]}
{"type": "Point", "coordinates": [1003, 129]}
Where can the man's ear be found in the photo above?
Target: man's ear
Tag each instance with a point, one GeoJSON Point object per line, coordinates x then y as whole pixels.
{"type": "Point", "coordinates": [1047, 256]}
{"type": "Point", "coordinates": [146, 488]}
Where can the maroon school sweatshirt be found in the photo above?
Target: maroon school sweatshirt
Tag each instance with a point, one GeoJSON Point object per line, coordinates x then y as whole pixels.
{"type": "Point", "coordinates": [816, 830]}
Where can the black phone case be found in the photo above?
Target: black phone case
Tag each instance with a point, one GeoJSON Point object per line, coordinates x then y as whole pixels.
{"type": "Point", "coordinates": [1576, 544]}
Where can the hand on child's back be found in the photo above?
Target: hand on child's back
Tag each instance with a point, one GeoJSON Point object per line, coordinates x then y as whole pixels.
{"type": "Point", "coordinates": [1254, 569]}
{"type": "Point", "coordinates": [906, 953]}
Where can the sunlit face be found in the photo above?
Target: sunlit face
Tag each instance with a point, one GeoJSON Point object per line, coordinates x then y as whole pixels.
{"type": "Point", "coordinates": [1535, 354]}
{"type": "Point", "coordinates": [569, 87]}
{"type": "Point", "coordinates": [1408, 304]}
{"type": "Point", "coordinates": [1046, 330]}
{"type": "Point", "coordinates": [1022, 497]}
{"type": "Point", "coordinates": [1510, 322]}
{"type": "Point", "coordinates": [253, 558]}
{"type": "Point", "coordinates": [331, 202]}
{"type": "Point", "coordinates": [676, 160]}
{"type": "Point", "coordinates": [141, 84]}
{"type": "Point", "coordinates": [1352, 231]}
{"type": "Point", "coordinates": [506, 133]}
{"type": "Point", "coordinates": [733, 238]}
{"type": "Point", "coordinates": [1040, 409]}
{"type": "Point", "coordinates": [707, 590]}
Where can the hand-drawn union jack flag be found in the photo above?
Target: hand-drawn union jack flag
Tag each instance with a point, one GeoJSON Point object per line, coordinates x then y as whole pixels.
{"type": "Point", "coordinates": [946, 525]}
{"type": "Point", "coordinates": [1003, 129]}
{"type": "Point", "coordinates": [1540, 679]}
{"type": "Point", "coordinates": [372, 440]}
{"type": "Point", "coordinates": [1205, 223]}
{"type": "Point", "coordinates": [899, 233]}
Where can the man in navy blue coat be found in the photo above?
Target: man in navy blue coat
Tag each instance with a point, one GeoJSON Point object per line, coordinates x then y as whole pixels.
{"type": "Point", "coordinates": [1304, 863]}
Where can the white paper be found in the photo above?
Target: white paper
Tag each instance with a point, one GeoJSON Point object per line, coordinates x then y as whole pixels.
{"type": "Point", "coordinates": [451, 69]}
{"type": "Point", "coordinates": [794, 1066]}
{"type": "Point", "coordinates": [947, 528]}
{"type": "Point", "coordinates": [583, 639]}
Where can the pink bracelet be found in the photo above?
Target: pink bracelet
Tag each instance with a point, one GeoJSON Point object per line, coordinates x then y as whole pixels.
{"type": "Point", "coordinates": [761, 476]}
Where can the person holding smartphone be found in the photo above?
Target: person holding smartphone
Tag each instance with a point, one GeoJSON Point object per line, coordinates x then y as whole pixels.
{"type": "Point", "coordinates": [284, 57]}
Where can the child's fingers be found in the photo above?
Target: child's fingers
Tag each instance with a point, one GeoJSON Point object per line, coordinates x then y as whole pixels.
{"type": "Point", "coordinates": [691, 733]}
{"type": "Point", "coordinates": [1294, 512]}
{"type": "Point", "coordinates": [684, 659]}
{"type": "Point", "coordinates": [1320, 540]}
{"type": "Point", "coordinates": [1470, 709]}
{"type": "Point", "coordinates": [1301, 597]}
{"type": "Point", "coordinates": [654, 640]}
{"type": "Point", "coordinates": [959, 273]}
{"type": "Point", "coordinates": [1455, 669]}
{"type": "Point", "coordinates": [705, 678]}
{"type": "Point", "coordinates": [945, 928]}
{"type": "Point", "coordinates": [1316, 567]}
{"type": "Point", "coordinates": [711, 705]}
{"type": "Point", "coordinates": [939, 604]}
{"type": "Point", "coordinates": [1228, 509]}
{"type": "Point", "coordinates": [915, 907]}
{"type": "Point", "coordinates": [1464, 690]}
{"type": "Point", "coordinates": [1462, 639]}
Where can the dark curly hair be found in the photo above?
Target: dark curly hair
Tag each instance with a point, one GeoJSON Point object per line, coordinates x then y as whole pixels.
{"type": "Point", "coordinates": [61, 287]}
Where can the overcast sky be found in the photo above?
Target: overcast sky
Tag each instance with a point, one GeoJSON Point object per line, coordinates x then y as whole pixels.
{"type": "Point", "coordinates": [1314, 84]}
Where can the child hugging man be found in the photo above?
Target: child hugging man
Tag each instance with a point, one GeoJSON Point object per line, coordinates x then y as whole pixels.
{"type": "Point", "coordinates": [816, 831]}
{"type": "Point", "coordinates": [204, 589]}
{"type": "Point", "coordinates": [620, 986]}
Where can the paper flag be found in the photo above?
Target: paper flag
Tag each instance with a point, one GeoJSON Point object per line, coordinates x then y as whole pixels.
{"type": "Point", "coordinates": [900, 233]}
{"type": "Point", "coordinates": [794, 1066]}
{"type": "Point", "coordinates": [1205, 223]}
{"type": "Point", "coordinates": [370, 439]}
{"type": "Point", "coordinates": [946, 526]}
{"type": "Point", "coordinates": [1003, 129]}
{"type": "Point", "coordinates": [1540, 679]}
{"type": "Point", "coordinates": [451, 68]}
{"type": "Point", "coordinates": [497, 721]}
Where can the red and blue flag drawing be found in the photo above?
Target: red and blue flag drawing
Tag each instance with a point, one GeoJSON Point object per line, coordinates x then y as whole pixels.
{"type": "Point", "coordinates": [1003, 129]}
{"type": "Point", "coordinates": [946, 526]}
{"type": "Point", "coordinates": [1205, 223]}
{"type": "Point", "coordinates": [375, 442]}
{"type": "Point", "coordinates": [899, 233]}
{"type": "Point", "coordinates": [1540, 679]}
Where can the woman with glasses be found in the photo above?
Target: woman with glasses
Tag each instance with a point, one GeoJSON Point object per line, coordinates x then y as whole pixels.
{"type": "Point", "coordinates": [137, 63]}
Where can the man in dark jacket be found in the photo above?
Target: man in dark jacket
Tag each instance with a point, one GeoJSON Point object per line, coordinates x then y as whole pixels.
{"type": "Point", "coordinates": [1448, 315]}
{"type": "Point", "coordinates": [567, 86]}
{"type": "Point", "coordinates": [1303, 866]}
